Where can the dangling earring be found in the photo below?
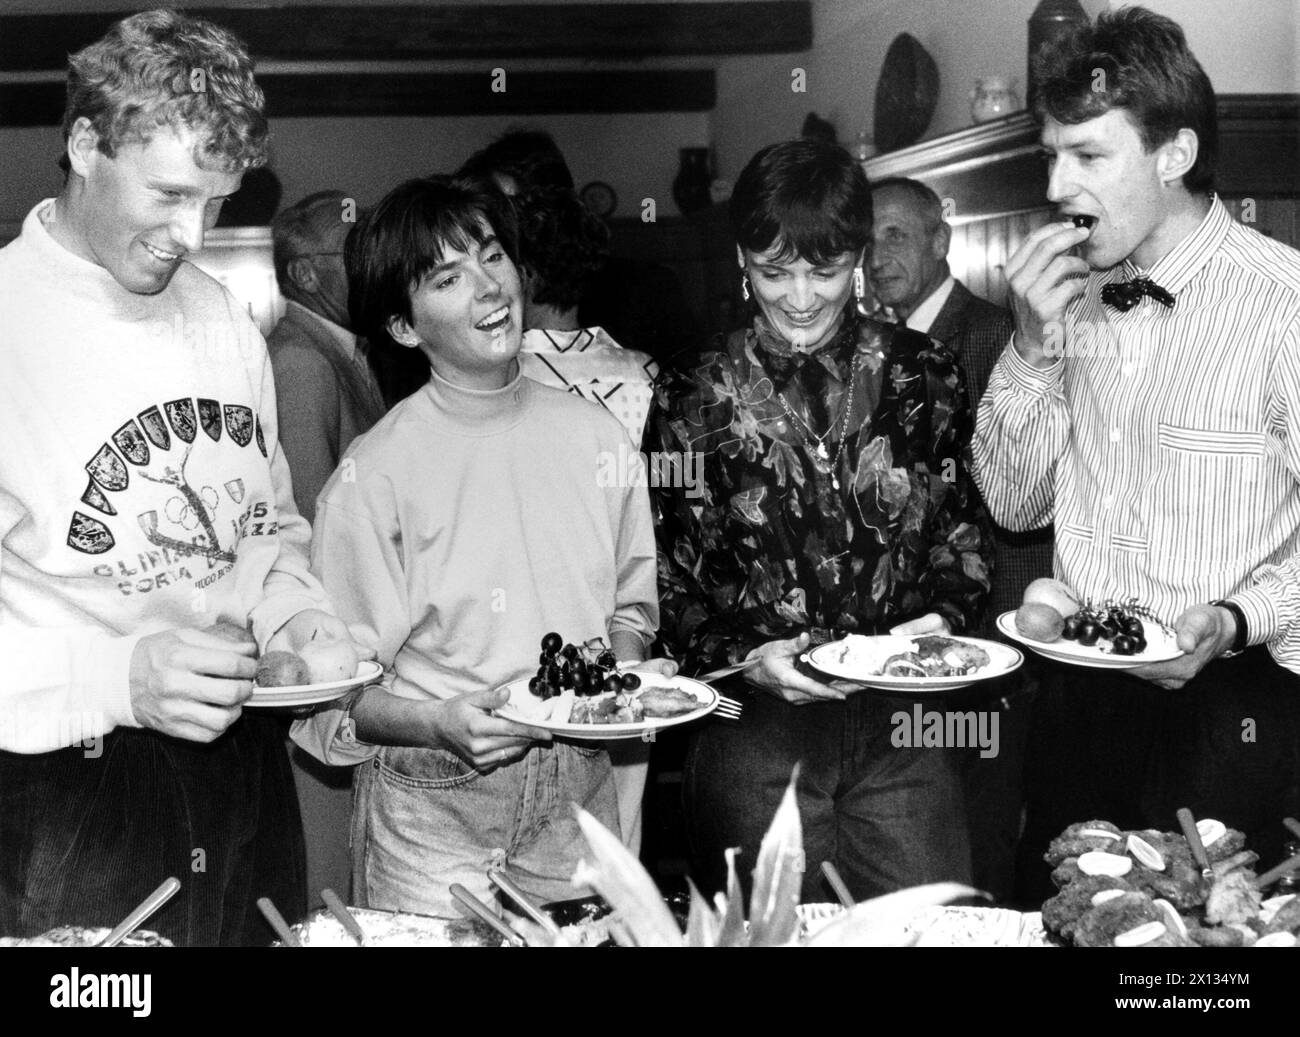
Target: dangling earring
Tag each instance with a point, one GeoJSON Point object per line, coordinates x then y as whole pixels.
{"type": "Point", "coordinates": [859, 283]}
{"type": "Point", "coordinates": [744, 285]}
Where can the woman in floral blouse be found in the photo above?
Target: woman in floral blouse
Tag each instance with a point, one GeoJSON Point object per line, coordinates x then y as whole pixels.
{"type": "Point", "coordinates": [835, 498]}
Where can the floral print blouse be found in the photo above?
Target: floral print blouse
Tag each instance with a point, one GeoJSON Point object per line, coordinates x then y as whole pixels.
{"type": "Point", "coordinates": [767, 544]}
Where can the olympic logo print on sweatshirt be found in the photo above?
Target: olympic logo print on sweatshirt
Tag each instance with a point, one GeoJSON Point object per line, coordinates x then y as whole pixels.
{"type": "Point", "coordinates": [156, 447]}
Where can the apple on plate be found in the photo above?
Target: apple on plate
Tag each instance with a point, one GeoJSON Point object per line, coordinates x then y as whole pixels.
{"type": "Point", "coordinates": [329, 661]}
{"type": "Point", "coordinates": [1054, 594]}
{"type": "Point", "coordinates": [282, 670]}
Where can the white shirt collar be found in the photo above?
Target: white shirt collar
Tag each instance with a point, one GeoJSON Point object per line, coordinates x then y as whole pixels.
{"type": "Point", "coordinates": [338, 333]}
{"type": "Point", "coordinates": [924, 315]}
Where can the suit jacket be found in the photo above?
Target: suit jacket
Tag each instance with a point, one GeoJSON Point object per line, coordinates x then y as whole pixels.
{"type": "Point", "coordinates": [977, 332]}
{"type": "Point", "coordinates": [325, 400]}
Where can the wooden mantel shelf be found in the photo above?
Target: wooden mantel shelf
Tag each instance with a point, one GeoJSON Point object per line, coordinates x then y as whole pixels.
{"type": "Point", "coordinates": [994, 168]}
{"type": "Point", "coordinates": [987, 170]}
{"type": "Point", "coordinates": [961, 149]}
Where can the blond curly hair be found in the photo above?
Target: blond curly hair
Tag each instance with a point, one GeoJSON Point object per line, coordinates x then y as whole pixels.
{"type": "Point", "coordinates": [163, 68]}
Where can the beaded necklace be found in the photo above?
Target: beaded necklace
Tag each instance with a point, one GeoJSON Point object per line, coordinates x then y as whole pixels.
{"type": "Point", "coordinates": [818, 443]}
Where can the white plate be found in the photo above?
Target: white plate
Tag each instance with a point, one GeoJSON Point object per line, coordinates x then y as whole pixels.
{"type": "Point", "coordinates": [1161, 647]}
{"type": "Point", "coordinates": [526, 708]}
{"type": "Point", "coordinates": [873, 651]}
{"type": "Point", "coordinates": [310, 694]}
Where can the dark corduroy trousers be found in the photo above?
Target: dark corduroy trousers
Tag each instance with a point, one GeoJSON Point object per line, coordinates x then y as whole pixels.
{"type": "Point", "coordinates": [84, 838]}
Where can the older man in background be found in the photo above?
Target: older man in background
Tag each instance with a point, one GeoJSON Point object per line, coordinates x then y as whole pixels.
{"type": "Point", "coordinates": [325, 389]}
{"type": "Point", "coordinates": [911, 278]}
{"type": "Point", "coordinates": [327, 396]}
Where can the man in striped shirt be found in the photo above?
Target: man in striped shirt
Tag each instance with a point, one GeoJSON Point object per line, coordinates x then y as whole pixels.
{"type": "Point", "coordinates": [1162, 436]}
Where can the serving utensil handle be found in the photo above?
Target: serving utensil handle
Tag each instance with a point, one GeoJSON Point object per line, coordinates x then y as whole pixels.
{"type": "Point", "coordinates": [483, 913]}
{"type": "Point", "coordinates": [1273, 874]}
{"type": "Point", "coordinates": [339, 910]}
{"type": "Point", "coordinates": [287, 936]}
{"type": "Point", "coordinates": [832, 874]}
{"type": "Point", "coordinates": [1193, 837]}
{"type": "Point", "coordinates": [507, 886]}
{"type": "Point", "coordinates": [136, 918]}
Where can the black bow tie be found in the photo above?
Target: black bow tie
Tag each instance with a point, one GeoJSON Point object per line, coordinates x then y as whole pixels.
{"type": "Point", "coordinates": [1127, 294]}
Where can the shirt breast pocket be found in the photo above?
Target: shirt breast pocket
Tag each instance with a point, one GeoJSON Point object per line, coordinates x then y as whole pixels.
{"type": "Point", "coordinates": [1202, 507]}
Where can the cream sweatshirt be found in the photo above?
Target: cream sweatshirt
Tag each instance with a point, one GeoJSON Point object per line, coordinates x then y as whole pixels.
{"type": "Point", "coordinates": [142, 486]}
{"type": "Point", "coordinates": [466, 525]}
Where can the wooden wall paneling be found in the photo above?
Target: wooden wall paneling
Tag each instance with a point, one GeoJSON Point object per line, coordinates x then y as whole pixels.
{"type": "Point", "coordinates": [977, 261]}
{"type": "Point", "coordinates": [996, 259]}
{"type": "Point", "coordinates": [958, 251]}
{"type": "Point", "coordinates": [441, 31]}
{"type": "Point", "coordinates": [1259, 144]}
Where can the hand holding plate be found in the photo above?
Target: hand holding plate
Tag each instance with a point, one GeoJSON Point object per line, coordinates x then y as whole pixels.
{"type": "Point", "coordinates": [190, 683]}
{"type": "Point", "coordinates": [779, 674]}
{"type": "Point", "coordinates": [466, 726]}
{"type": "Point", "coordinates": [1204, 632]}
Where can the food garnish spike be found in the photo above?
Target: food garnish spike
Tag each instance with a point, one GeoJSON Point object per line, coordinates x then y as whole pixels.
{"type": "Point", "coordinates": [620, 878]}
{"type": "Point", "coordinates": [732, 907]}
{"type": "Point", "coordinates": [778, 875]}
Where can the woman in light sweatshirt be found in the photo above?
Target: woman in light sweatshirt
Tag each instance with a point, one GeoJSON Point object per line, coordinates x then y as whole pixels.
{"type": "Point", "coordinates": [462, 528]}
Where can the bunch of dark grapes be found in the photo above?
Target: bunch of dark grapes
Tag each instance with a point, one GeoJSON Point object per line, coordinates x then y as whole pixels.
{"type": "Point", "coordinates": [1120, 623]}
{"type": "Point", "coordinates": [582, 670]}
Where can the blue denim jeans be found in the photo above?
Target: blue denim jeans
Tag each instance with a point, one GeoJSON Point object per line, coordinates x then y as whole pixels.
{"type": "Point", "coordinates": [84, 839]}
{"type": "Point", "coordinates": [886, 817]}
{"type": "Point", "coordinates": [423, 819]}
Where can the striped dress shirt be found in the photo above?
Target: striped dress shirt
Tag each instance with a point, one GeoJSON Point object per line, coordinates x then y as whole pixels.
{"type": "Point", "coordinates": [1165, 443]}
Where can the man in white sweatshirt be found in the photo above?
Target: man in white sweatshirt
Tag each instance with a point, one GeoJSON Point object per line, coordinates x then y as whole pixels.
{"type": "Point", "coordinates": [143, 497]}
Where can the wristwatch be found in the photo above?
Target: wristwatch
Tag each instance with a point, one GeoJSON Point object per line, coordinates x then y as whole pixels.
{"type": "Point", "coordinates": [1240, 641]}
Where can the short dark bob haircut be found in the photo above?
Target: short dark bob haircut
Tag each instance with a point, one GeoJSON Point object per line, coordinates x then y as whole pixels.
{"type": "Point", "coordinates": [402, 238]}
{"type": "Point", "coordinates": [1137, 61]}
{"type": "Point", "coordinates": [808, 197]}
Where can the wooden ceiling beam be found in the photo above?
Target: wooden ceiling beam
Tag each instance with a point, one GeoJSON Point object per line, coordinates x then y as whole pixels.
{"type": "Point", "coordinates": [424, 94]}
{"type": "Point", "coordinates": [452, 31]}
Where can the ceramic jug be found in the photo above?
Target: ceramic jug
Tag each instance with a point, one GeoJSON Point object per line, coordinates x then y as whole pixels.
{"type": "Point", "coordinates": [993, 97]}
